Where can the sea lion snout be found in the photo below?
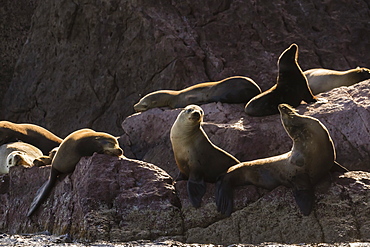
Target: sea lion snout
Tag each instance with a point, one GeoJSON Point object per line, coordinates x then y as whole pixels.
{"type": "Point", "coordinates": [114, 151]}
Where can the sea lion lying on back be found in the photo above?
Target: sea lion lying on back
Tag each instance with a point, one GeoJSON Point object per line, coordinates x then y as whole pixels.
{"type": "Point", "coordinates": [29, 133]}
{"type": "Point", "coordinates": [291, 87]}
{"type": "Point", "coordinates": [84, 142]}
{"type": "Point", "coordinates": [323, 80]}
{"type": "Point", "coordinates": [197, 158]}
{"type": "Point", "coordinates": [236, 89]}
{"type": "Point", "coordinates": [312, 156]}
{"type": "Point", "coordinates": [17, 153]}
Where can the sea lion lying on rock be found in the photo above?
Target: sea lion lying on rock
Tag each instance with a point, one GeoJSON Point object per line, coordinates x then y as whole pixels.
{"type": "Point", "coordinates": [236, 89]}
{"type": "Point", "coordinates": [84, 142]}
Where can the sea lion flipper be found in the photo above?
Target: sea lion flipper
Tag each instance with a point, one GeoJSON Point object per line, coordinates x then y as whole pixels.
{"type": "Point", "coordinates": [303, 193]}
{"type": "Point", "coordinates": [196, 190]}
{"type": "Point", "coordinates": [336, 167]}
{"type": "Point", "coordinates": [43, 192]}
{"type": "Point", "coordinates": [181, 177]}
{"type": "Point", "coordinates": [305, 200]}
{"type": "Point", "coordinates": [224, 198]}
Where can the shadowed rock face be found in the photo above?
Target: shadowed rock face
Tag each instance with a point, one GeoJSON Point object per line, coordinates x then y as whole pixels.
{"type": "Point", "coordinates": [85, 64]}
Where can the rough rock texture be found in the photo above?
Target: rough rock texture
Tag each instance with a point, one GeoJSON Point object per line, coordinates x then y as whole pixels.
{"type": "Point", "coordinates": [106, 198]}
{"type": "Point", "coordinates": [15, 22]}
{"type": "Point", "coordinates": [346, 116]}
{"type": "Point", "coordinates": [86, 63]}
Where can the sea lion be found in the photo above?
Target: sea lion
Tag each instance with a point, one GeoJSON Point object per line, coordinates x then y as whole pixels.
{"type": "Point", "coordinates": [236, 89]}
{"type": "Point", "coordinates": [29, 133]}
{"type": "Point", "coordinates": [17, 153]}
{"type": "Point", "coordinates": [84, 142]}
{"type": "Point", "coordinates": [291, 87]}
{"type": "Point", "coordinates": [323, 80]}
{"type": "Point", "coordinates": [197, 158]}
{"type": "Point", "coordinates": [45, 159]}
{"type": "Point", "coordinates": [312, 156]}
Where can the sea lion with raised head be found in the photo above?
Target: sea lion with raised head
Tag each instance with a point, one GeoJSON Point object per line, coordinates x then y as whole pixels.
{"type": "Point", "coordinates": [312, 156]}
{"type": "Point", "coordinates": [236, 89]}
{"type": "Point", "coordinates": [291, 87]}
{"type": "Point", "coordinates": [29, 133]}
{"type": "Point", "coordinates": [17, 153]}
{"type": "Point", "coordinates": [323, 80]}
{"type": "Point", "coordinates": [84, 142]}
{"type": "Point", "coordinates": [197, 158]}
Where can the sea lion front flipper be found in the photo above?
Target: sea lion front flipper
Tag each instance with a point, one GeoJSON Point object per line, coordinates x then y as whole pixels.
{"type": "Point", "coordinates": [336, 167]}
{"type": "Point", "coordinates": [181, 177]}
{"type": "Point", "coordinates": [303, 193]}
{"type": "Point", "coordinates": [196, 190]}
{"type": "Point", "coordinates": [43, 192]}
{"type": "Point", "coordinates": [224, 198]}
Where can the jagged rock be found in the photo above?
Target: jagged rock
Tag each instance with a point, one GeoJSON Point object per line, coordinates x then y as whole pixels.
{"type": "Point", "coordinates": [346, 115]}
{"type": "Point", "coordinates": [105, 198]}
{"type": "Point", "coordinates": [86, 63]}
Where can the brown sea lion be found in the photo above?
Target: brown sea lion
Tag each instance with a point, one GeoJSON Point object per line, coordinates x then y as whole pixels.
{"type": "Point", "coordinates": [84, 142]}
{"type": "Point", "coordinates": [236, 89]}
{"type": "Point", "coordinates": [29, 133]}
{"type": "Point", "coordinates": [312, 156]}
{"type": "Point", "coordinates": [291, 87]}
{"type": "Point", "coordinates": [17, 153]}
{"type": "Point", "coordinates": [45, 159]}
{"type": "Point", "coordinates": [323, 80]}
{"type": "Point", "coordinates": [197, 158]}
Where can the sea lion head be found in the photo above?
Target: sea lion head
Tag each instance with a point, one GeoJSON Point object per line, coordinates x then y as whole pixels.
{"type": "Point", "coordinates": [191, 115]}
{"type": "Point", "coordinates": [109, 145]}
{"type": "Point", "coordinates": [292, 121]}
{"type": "Point", "coordinates": [18, 158]}
{"type": "Point", "coordinates": [288, 57]}
{"type": "Point", "coordinates": [152, 100]}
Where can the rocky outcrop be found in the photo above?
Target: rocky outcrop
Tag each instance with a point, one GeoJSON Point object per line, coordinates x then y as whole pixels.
{"type": "Point", "coordinates": [108, 198]}
{"type": "Point", "coordinates": [111, 199]}
{"type": "Point", "coordinates": [346, 116]}
{"type": "Point", "coordinates": [86, 63]}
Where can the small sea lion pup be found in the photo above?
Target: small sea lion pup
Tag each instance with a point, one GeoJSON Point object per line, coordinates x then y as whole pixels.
{"type": "Point", "coordinates": [29, 133]}
{"type": "Point", "coordinates": [17, 153]}
{"type": "Point", "coordinates": [312, 156]}
{"type": "Point", "coordinates": [236, 89]}
{"type": "Point", "coordinates": [84, 142]}
{"type": "Point", "coordinates": [291, 87]}
{"type": "Point", "coordinates": [45, 159]}
{"type": "Point", "coordinates": [197, 158]}
{"type": "Point", "coordinates": [323, 80]}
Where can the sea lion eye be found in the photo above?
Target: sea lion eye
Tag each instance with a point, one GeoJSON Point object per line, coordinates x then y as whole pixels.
{"type": "Point", "coordinates": [188, 110]}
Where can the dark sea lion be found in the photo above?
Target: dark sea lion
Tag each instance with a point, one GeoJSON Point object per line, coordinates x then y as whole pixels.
{"type": "Point", "coordinates": [84, 142]}
{"type": "Point", "coordinates": [312, 156]}
{"type": "Point", "coordinates": [197, 158]}
{"type": "Point", "coordinates": [236, 89]}
{"type": "Point", "coordinates": [323, 80]}
{"type": "Point", "coordinates": [29, 133]}
{"type": "Point", "coordinates": [291, 87]}
{"type": "Point", "coordinates": [17, 153]}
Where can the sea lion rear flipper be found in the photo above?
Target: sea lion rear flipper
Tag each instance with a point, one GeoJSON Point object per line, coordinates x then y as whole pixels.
{"type": "Point", "coordinates": [196, 190]}
{"type": "Point", "coordinates": [338, 168]}
{"type": "Point", "coordinates": [224, 198]}
{"type": "Point", "coordinates": [43, 192]}
{"type": "Point", "coordinates": [303, 193]}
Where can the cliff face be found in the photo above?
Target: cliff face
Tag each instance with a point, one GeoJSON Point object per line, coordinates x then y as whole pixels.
{"type": "Point", "coordinates": [86, 63]}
